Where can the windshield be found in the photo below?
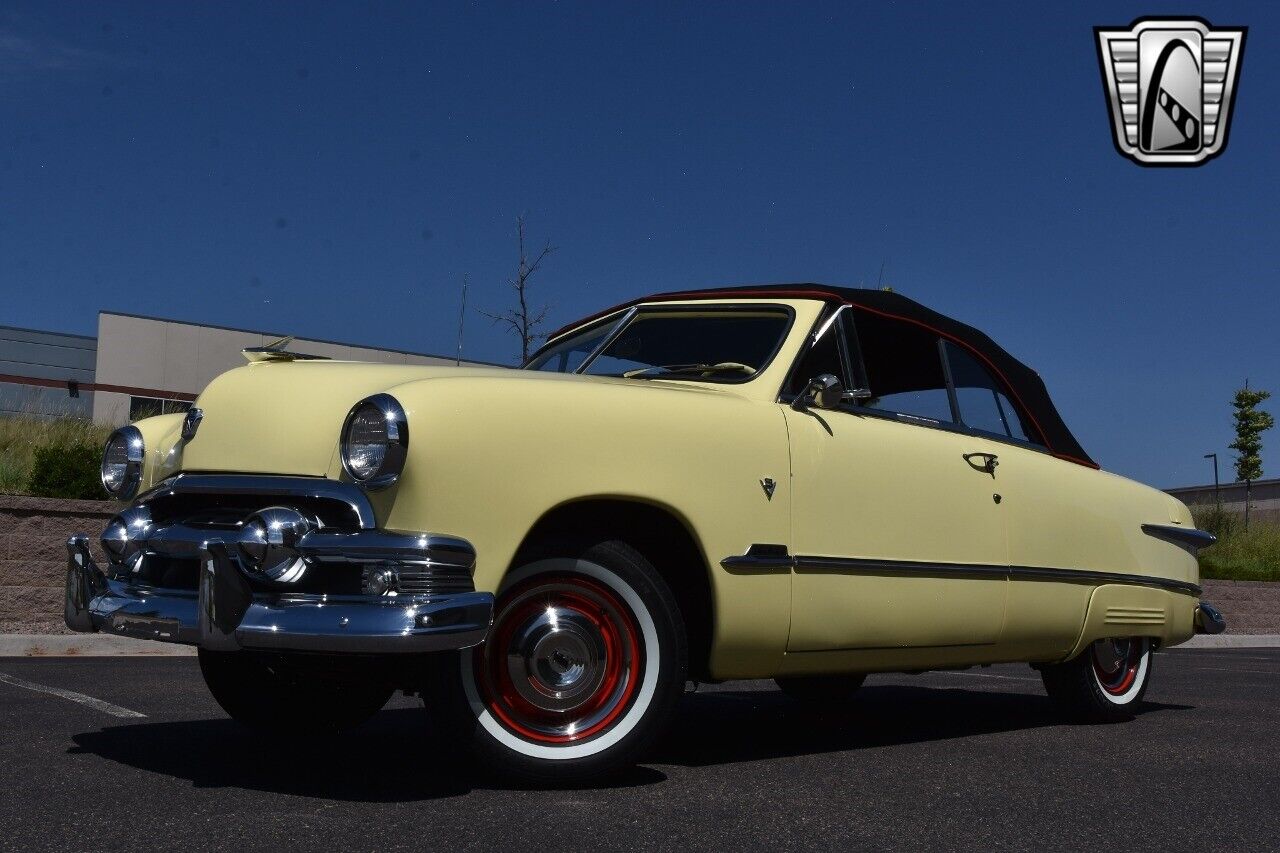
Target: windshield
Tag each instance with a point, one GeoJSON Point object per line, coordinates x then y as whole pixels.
{"type": "Point", "coordinates": [728, 344]}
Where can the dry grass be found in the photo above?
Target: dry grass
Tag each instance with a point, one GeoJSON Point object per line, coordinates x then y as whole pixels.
{"type": "Point", "coordinates": [21, 435]}
{"type": "Point", "coordinates": [1240, 555]}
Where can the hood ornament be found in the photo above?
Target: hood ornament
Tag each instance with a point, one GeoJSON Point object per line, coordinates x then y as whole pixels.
{"type": "Point", "coordinates": [768, 485]}
{"type": "Point", "coordinates": [275, 351]}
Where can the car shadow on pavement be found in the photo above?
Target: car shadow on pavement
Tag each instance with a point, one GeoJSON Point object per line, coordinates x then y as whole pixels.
{"type": "Point", "coordinates": [726, 726]}
{"type": "Point", "coordinates": [391, 760]}
{"type": "Point", "coordinates": [387, 760]}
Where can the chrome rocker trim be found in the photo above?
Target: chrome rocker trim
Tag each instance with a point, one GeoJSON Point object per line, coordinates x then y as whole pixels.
{"type": "Point", "coordinates": [225, 614]}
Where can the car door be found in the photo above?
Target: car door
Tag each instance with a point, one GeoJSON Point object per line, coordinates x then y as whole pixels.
{"type": "Point", "coordinates": [896, 523]}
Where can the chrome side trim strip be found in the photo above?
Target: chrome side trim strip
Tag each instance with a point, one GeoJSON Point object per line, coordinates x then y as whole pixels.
{"type": "Point", "coordinates": [766, 558]}
{"type": "Point", "coordinates": [267, 486]}
{"type": "Point", "coordinates": [840, 565]}
{"type": "Point", "coordinates": [1186, 536]}
{"type": "Point", "coordinates": [760, 559]}
{"type": "Point", "coordinates": [1090, 576]}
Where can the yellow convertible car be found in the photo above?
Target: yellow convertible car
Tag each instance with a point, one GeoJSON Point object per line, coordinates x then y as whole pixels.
{"type": "Point", "coordinates": [796, 482]}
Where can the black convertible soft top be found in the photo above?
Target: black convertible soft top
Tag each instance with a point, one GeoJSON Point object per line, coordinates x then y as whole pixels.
{"type": "Point", "coordinates": [1023, 384]}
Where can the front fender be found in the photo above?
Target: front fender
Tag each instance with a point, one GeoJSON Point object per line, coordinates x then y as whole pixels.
{"type": "Point", "coordinates": [487, 459]}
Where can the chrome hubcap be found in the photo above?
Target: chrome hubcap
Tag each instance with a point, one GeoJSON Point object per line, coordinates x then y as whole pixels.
{"type": "Point", "coordinates": [562, 661]}
{"type": "Point", "coordinates": [555, 660]}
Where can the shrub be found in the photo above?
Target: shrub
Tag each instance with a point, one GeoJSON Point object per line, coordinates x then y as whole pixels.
{"type": "Point", "coordinates": [66, 470]}
{"type": "Point", "coordinates": [1217, 521]}
{"type": "Point", "coordinates": [22, 436]}
{"type": "Point", "coordinates": [1239, 554]}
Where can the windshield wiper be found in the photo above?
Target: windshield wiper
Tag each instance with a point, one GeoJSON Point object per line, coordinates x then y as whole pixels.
{"type": "Point", "coordinates": [701, 369]}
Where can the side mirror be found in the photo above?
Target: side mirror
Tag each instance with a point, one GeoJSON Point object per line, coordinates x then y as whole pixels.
{"type": "Point", "coordinates": [823, 392]}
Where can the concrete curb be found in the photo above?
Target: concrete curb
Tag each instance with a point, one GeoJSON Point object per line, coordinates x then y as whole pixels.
{"type": "Point", "coordinates": [1232, 641]}
{"type": "Point", "coordinates": [86, 645]}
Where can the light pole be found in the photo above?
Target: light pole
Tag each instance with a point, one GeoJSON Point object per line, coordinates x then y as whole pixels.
{"type": "Point", "coordinates": [1217, 498]}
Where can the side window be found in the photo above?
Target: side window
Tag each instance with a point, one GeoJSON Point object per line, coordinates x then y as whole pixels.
{"type": "Point", "coordinates": [903, 368]}
{"type": "Point", "coordinates": [823, 357]}
{"type": "Point", "coordinates": [983, 405]}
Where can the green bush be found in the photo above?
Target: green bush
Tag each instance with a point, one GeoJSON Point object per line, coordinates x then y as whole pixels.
{"type": "Point", "coordinates": [1217, 521]}
{"type": "Point", "coordinates": [66, 470]}
{"type": "Point", "coordinates": [22, 436]}
{"type": "Point", "coordinates": [1239, 554]}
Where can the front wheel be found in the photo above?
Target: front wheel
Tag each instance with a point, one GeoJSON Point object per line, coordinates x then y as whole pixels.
{"type": "Point", "coordinates": [581, 671]}
{"type": "Point", "coordinates": [1105, 682]}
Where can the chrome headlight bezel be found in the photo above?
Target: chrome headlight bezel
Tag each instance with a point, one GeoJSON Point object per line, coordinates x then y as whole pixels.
{"type": "Point", "coordinates": [134, 453]}
{"type": "Point", "coordinates": [397, 425]}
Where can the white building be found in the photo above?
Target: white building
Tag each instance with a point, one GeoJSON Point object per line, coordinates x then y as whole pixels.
{"type": "Point", "coordinates": [139, 366]}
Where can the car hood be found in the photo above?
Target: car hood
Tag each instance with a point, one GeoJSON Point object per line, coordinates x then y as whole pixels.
{"type": "Point", "coordinates": [285, 417]}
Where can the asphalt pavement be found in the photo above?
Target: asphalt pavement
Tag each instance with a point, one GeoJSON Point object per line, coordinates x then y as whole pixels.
{"type": "Point", "coordinates": [132, 753]}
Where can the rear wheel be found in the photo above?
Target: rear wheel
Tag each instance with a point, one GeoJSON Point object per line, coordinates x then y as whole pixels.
{"type": "Point", "coordinates": [1105, 682]}
{"type": "Point", "coordinates": [821, 688]}
{"type": "Point", "coordinates": [581, 671]}
{"type": "Point", "coordinates": [269, 695]}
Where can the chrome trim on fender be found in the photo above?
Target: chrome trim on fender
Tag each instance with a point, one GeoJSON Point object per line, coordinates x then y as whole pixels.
{"type": "Point", "coordinates": [760, 559]}
{"type": "Point", "coordinates": [267, 486]}
{"type": "Point", "coordinates": [774, 558]}
{"type": "Point", "coordinates": [1188, 537]}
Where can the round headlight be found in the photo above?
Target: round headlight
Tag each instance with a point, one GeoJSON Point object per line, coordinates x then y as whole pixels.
{"type": "Point", "coordinates": [375, 441]}
{"type": "Point", "coordinates": [122, 462]}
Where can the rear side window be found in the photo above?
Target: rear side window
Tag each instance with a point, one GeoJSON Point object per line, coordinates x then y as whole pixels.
{"type": "Point", "coordinates": [982, 403]}
{"type": "Point", "coordinates": [903, 367]}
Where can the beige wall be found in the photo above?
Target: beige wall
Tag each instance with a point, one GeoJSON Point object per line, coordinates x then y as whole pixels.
{"type": "Point", "coordinates": [181, 358]}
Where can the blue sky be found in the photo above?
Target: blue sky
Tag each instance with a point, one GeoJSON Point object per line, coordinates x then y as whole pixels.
{"type": "Point", "coordinates": [333, 170]}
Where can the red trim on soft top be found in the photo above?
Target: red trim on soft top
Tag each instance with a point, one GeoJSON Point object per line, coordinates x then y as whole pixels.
{"type": "Point", "coordinates": [827, 296]}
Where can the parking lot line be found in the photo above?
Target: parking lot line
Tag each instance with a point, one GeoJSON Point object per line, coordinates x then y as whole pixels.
{"type": "Point", "coordinates": [97, 704]}
{"type": "Point", "coordinates": [982, 675]}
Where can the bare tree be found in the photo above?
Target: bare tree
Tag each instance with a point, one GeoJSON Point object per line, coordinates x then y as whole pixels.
{"type": "Point", "coordinates": [522, 321]}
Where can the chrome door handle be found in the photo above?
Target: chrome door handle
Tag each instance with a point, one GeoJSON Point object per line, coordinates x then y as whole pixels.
{"type": "Point", "coordinates": [988, 463]}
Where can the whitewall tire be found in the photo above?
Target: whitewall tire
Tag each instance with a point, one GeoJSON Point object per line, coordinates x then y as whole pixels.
{"type": "Point", "coordinates": [582, 668]}
{"type": "Point", "coordinates": [1104, 683]}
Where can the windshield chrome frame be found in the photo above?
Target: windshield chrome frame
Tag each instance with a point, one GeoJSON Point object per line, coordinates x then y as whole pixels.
{"type": "Point", "coordinates": [610, 337]}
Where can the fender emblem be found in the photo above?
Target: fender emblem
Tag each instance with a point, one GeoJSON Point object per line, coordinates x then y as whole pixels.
{"type": "Point", "coordinates": [768, 485]}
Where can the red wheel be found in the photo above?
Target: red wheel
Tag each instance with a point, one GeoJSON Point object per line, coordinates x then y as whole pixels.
{"type": "Point", "coordinates": [1105, 682]}
{"type": "Point", "coordinates": [1116, 664]}
{"type": "Point", "coordinates": [563, 660]}
{"type": "Point", "coordinates": [580, 673]}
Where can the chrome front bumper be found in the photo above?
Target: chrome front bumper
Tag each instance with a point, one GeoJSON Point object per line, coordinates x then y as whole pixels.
{"type": "Point", "coordinates": [225, 613]}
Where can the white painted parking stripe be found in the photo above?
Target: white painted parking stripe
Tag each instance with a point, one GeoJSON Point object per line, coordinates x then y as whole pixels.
{"type": "Point", "coordinates": [981, 675]}
{"type": "Point", "coordinates": [97, 704]}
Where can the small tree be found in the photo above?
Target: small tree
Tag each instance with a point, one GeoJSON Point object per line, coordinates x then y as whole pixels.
{"type": "Point", "coordinates": [1250, 425]}
{"type": "Point", "coordinates": [522, 321]}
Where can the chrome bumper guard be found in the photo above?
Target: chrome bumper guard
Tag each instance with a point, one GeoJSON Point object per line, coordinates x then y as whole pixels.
{"type": "Point", "coordinates": [1209, 619]}
{"type": "Point", "coordinates": [226, 614]}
